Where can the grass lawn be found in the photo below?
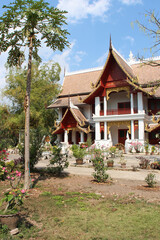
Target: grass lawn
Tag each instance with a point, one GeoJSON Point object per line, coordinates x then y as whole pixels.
{"type": "Point", "coordinates": [66, 215]}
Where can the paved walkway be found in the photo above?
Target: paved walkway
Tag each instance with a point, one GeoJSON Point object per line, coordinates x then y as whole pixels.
{"type": "Point", "coordinates": [87, 169]}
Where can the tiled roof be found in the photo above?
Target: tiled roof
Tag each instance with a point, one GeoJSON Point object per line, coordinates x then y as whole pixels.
{"type": "Point", "coordinates": [82, 122]}
{"type": "Point", "coordinates": [79, 83]}
{"type": "Point", "coordinates": [63, 101]}
{"type": "Point", "coordinates": [146, 73]}
{"type": "Point", "coordinates": [146, 78]}
{"type": "Point", "coordinates": [79, 116]}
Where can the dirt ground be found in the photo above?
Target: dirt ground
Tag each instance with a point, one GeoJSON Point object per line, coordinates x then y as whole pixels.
{"type": "Point", "coordinates": [118, 187]}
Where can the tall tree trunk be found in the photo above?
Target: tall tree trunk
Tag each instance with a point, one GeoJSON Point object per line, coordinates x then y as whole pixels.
{"type": "Point", "coordinates": [27, 118]}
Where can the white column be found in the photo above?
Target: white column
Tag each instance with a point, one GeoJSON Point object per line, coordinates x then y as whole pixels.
{"type": "Point", "coordinates": [65, 136]}
{"type": "Point", "coordinates": [97, 106]}
{"type": "Point", "coordinates": [105, 130]}
{"type": "Point", "coordinates": [74, 136]}
{"type": "Point", "coordinates": [141, 129]}
{"type": "Point", "coordinates": [132, 129]}
{"type": "Point", "coordinates": [132, 104]}
{"type": "Point", "coordinates": [140, 102]}
{"type": "Point", "coordinates": [105, 106]}
{"type": "Point", "coordinates": [81, 136]}
{"type": "Point", "coordinates": [97, 131]}
{"type": "Point", "coordinates": [60, 114]}
{"type": "Point", "coordinates": [58, 137]}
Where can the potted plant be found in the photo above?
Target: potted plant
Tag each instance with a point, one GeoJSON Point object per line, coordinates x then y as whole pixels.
{"type": "Point", "coordinates": [144, 162]}
{"type": "Point", "coordinates": [78, 153]}
{"type": "Point", "coordinates": [122, 162]}
{"type": "Point", "coordinates": [110, 163]}
{"type": "Point", "coordinates": [112, 151]}
{"type": "Point", "coordinates": [12, 200]}
{"type": "Point", "coordinates": [146, 147]}
{"type": "Point", "coordinates": [153, 150]}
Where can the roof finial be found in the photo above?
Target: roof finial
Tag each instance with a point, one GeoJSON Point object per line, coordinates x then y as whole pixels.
{"type": "Point", "coordinates": [110, 44]}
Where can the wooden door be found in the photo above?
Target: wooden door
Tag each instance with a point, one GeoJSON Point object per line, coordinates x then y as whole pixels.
{"type": "Point", "coordinates": [122, 135]}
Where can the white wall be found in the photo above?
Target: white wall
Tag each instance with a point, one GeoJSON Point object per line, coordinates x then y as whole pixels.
{"type": "Point", "coordinates": [86, 110]}
{"type": "Point", "coordinates": [59, 114]}
{"type": "Point", "coordinates": [115, 98]}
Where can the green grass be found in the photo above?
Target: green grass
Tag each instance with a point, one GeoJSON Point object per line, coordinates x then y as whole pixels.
{"type": "Point", "coordinates": [87, 216]}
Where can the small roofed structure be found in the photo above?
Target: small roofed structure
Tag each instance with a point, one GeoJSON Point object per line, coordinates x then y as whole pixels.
{"type": "Point", "coordinates": [72, 120]}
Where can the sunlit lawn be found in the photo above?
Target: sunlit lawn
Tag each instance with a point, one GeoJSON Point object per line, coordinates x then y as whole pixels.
{"type": "Point", "coordinates": [85, 216]}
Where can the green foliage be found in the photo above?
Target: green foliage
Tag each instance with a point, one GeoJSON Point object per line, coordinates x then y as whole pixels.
{"type": "Point", "coordinates": [150, 180]}
{"type": "Point", "coordinates": [27, 18]}
{"type": "Point", "coordinates": [45, 88]}
{"type": "Point", "coordinates": [78, 152]}
{"type": "Point", "coordinates": [59, 161]}
{"type": "Point", "coordinates": [36, 136]}
{"type": "Point", "coordinates": [113, 149]}
{"type": "Point", "coordinates": [100, 174]}
{"type": "Point", "coordinates": [8, 135]}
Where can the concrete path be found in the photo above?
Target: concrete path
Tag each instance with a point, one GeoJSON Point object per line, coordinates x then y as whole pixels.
{"type": "Point", "coordinates": [87, 169]}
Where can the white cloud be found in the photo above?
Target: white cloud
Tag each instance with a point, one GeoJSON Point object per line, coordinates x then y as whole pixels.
{"type": "Point", "coordinates": [80, 9]}
{"type": "Point", "coordinates": [131, 39]}
{"type": "Point", "coordinates": [78, 56]}
{"type": "Point", "coordinates": [101, 60]}
{"type": "Point", "coordinates": [3, 60]}
{"type": "Point", "coordinates": [131, 2]}
{"type": "Point", "coordinates": [63, 59]}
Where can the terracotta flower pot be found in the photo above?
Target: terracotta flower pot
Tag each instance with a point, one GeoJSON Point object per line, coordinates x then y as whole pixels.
{"type": "Point", "coordinates": [123, 165]}
{"type": "Point", "coordinates": [110, 164]}
{"type": "Point", "coordinates": [10, 220]}
{"type": "Point", "coordinates": [79, 161]}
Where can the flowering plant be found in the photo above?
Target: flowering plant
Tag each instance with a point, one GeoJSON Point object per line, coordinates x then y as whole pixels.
{"type": "Point", "coordinates": [137, 146]}
{"type": "Point", "coordinates": [13, 197]}
{"type": "Point", "coordinates": [3, 155]}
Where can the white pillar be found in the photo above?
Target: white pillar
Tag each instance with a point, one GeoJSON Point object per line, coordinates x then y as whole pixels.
{"type": "Point", "coordinates": [65, 136]}
{"type": "Point", "coordinates": [105, 130]}
{"type": "Point", "coordinates": [141, 129]}
{"type": "Point", "coordinates": [81, 136]}
{"type": "Point", "coordinates": [97, 106]}
{"type": "Point", "coordinates": [140, 102]}
{"type": "Point", "coordinates": [74, 136]}
{"type": "Point", "coordinates": [60, 114]}
{"type": "Point", "coordinates": [58, 137]}
{"type": "Point", "coordinates": [97, 131]}
{"type": "Point", "coordinates": [105, 106]}
{"type": "Point", "coordinates": [132, 129]}
{"type": "Point", "coordinates": [132, 104]}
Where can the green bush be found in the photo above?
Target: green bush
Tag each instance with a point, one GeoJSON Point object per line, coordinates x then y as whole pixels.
{"type": "Point", "coordinates": [150, 180]}
{"type": "Point", "coordinates": [99, 174]}
{"type": "Point", "coordinates": [35, 147]}
{"type": "Point", "coordinates": [78, 152]}
{"type": "Point", "coordinates": [59, 161]}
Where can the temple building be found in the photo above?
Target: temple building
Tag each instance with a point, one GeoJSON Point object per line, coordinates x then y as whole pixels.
{"type": "Point", "coordinates": [114, 104]}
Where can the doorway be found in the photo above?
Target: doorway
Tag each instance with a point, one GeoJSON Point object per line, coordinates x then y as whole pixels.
{"type": "Point", "coordinates": [122, 135]}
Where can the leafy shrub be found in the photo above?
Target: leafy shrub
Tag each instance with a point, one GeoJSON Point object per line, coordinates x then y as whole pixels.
{"type": "Point", "coordinates": [100, 174]}
{"type": "Point", "coordinates": [78, 152]}
{"type": "Point", "coordinates": [150, 180]}
{"type": "Point", "coordinates": [35, 147]}
{"type": "Point", "coordinates": [59, 160]}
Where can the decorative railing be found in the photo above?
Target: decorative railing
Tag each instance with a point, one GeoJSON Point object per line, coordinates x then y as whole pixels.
{"type": "Point", "coordinates": [118, 111]}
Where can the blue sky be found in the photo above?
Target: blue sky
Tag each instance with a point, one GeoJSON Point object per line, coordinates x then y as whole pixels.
{"type": "Point", "coordinates": [90, 24]}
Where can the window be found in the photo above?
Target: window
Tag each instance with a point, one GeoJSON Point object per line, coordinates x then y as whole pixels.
{"type": "Point", "coordinates": [124, 105]}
